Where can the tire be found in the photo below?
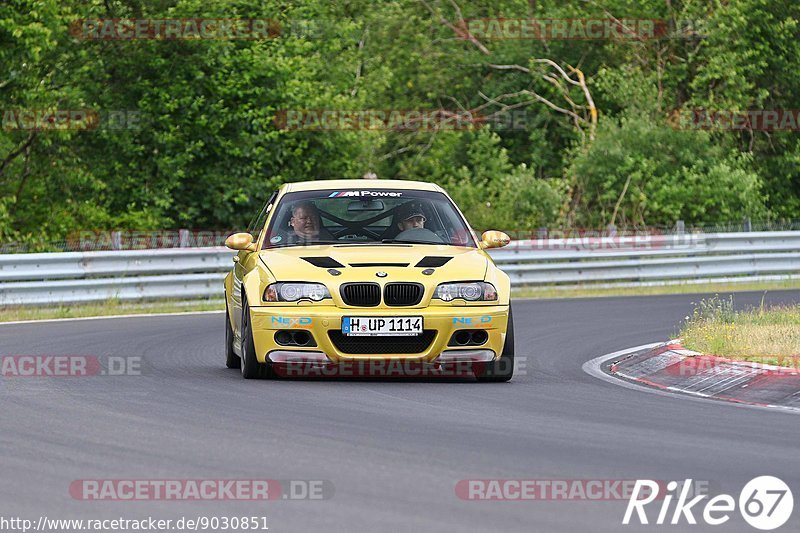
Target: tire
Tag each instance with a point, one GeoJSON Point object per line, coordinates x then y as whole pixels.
{"type": "Point", "coordinates": [503, 368]}
{"type": "Point", "coordinates": [251, 368]}
{"type": "Point", "coordinates": [231, 359]}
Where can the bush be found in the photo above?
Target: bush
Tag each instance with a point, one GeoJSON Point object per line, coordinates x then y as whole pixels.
{"type": "Point", "coordinates": [662, 175]}
{"type": "Point", "coordinates": [493, 194]}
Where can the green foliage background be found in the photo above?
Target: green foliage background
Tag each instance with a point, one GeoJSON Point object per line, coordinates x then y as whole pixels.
{"type": "Point", "coordinates": [207, 151]}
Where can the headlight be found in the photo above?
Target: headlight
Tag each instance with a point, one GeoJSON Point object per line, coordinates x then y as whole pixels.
{"type": "Point", "coordinates": [293, 292]}
{"type": "Point", "coordinates": [471, 291]}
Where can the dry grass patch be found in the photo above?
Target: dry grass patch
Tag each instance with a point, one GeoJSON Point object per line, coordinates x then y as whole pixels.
{"type": "Point", "coordinates": [763, 335]}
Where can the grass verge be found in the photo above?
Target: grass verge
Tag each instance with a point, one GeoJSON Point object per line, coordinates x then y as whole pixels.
{"type": "Point", "coordinates": [109, 307]}
{"type": "Point", "coordinates": [760, 335]}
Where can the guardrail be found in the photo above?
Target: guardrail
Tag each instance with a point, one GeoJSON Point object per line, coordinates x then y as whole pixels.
{"type": "Point", "coordinates": [654, 259]}
{"type": "Point", "coordinates": [187, 273]}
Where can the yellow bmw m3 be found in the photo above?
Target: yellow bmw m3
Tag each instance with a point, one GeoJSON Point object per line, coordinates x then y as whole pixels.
{"type": "Point", "coordinates": [378, 272]}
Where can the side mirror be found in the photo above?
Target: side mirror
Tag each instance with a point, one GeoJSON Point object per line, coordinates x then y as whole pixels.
{"type": "Point", "coordinates": [241, 242]}
{"type": "Point", "coordinates": [494, 239]}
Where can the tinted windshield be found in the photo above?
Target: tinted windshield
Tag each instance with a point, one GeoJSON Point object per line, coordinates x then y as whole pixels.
{"type": "Point", "coordinates": [378, 216]}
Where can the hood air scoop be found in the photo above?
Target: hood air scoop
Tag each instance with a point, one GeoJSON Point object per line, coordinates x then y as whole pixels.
{"type": "Point", "coordinates": [324, 262]}
{"type": "Point", "coordinates": [432, 261]}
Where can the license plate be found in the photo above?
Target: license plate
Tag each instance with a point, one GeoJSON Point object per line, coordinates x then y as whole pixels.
{"type": "Point", "coordinates": [359, 326]}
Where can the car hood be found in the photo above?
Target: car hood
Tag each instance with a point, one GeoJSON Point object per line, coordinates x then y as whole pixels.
{"type": "Point", "coordinates": [363, 262]}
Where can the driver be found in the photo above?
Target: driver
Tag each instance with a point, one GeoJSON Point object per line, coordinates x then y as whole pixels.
{"type": "Point", "coordinates": [306, 223]}
{"type": "Point", "coordinates": [410, 216]}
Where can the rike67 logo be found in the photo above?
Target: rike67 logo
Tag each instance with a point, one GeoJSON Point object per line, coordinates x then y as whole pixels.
{"type": "Point", "coordinates": [766, 503]}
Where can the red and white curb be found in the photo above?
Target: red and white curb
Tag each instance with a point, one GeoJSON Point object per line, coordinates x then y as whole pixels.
{"type": "Point", "coordinates": [669, 368]}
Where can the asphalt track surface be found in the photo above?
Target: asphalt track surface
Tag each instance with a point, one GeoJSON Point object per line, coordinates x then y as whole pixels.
{"type": "Point", "coordinates": [393, 450]}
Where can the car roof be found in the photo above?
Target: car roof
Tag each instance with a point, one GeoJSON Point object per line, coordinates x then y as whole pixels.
{"type": "Point", "coordinates": [359, 184]}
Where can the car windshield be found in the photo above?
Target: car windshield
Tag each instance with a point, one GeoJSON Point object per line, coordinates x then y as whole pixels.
{"type": "Point", "coordinates": [367, 216]}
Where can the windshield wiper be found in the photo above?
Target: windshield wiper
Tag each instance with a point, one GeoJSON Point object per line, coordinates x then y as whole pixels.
{"type": "Point", "coordinates": [407, 241]}
{"type": "Point", "coordinates": [302, 243]}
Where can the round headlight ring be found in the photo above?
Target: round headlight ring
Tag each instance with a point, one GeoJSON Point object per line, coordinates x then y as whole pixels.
{"type": "Point", "coordinates": [291, 292]}
{"type": "Point", "coordinates": [471, 291]}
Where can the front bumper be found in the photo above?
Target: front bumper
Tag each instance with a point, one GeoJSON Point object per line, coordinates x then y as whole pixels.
{"type": "Point", "coordinates": [320, 319]}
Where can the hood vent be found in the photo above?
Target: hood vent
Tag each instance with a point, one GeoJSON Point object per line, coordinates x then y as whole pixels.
{"type": "Point", "coordinates": [432, 261]}
{"type": "Point", "coordinates": [378, 264]}
{"type": "Point", "coordinates": [324, 262]}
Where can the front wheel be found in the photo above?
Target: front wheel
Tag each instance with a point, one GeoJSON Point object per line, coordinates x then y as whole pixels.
{"type": "Point", "coordinates": [251, 368]}
{"type": "Point", "coordinates": [501, 369]}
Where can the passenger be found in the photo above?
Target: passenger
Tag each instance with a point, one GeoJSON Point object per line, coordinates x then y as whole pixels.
{"type": "Point", "coordinates": [410, 216]}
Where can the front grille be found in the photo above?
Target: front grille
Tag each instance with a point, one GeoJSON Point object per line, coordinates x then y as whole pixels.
{"type": "Point", "coordinates": [361, 294]}
{"type": "Point", "coordinates": [399, 294]}
{"type": "Point", "coordinates": [382, 345]}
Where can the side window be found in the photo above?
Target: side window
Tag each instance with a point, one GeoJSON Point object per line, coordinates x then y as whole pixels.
{"type": "Point", "coordinates": [450, 225]}
{"type": "Point", "coordinates": [257, 223]}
